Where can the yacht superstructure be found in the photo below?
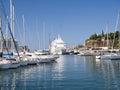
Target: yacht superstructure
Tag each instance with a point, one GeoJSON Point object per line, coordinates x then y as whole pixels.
{"type": "Point", "coordinates": [58, 46]}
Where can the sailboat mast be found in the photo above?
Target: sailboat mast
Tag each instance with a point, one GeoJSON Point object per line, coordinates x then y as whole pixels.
{"type": "Point", "coordinates": [117, 27]}
{"type": "Point", "coordinates": [24, 31]}
{"type": "Point", "coordinates": [13, 26]}
{"type": "Point", "coordinates": [11, 22]}
{"type": "Point", "coordinates": [107, 36]}
{"type": "Point", "coordinates": [7, 31]}
{"type": "Point", "coordinates": [0, 29]}
{"type": "Point", "coordinates": [43, 35]}
{"type": "Point", "coordinates": [11, 10]}
{"type": "Point", "coordinates": [49, 41]}
{"type": "Point", "coordinates": [38, 34]}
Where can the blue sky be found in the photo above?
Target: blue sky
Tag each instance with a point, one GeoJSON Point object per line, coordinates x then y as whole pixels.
{"type": "Point", "coordinates": [74, 20]}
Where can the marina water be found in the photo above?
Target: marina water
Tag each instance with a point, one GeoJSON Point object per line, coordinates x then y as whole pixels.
{"type": "Point", "coordinates": [69, 72]}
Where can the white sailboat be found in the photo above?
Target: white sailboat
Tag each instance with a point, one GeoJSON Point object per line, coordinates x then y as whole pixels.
{"type": "Point", "coordinates": [102, 54]}
{"type": "Point", "coordinates": [24, 59]}
{"type": "Point", "coordinates": [4, 64]}
{"type": "Point", "coordinates": [14, 60]}
{"type": "Point", "coordinates": [114, 56]}
{"type": "Point", "coordinates": [44, 55]}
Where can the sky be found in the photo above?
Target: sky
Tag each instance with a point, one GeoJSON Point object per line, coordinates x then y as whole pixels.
{"type": "Point", "coordinates": [73, 20]}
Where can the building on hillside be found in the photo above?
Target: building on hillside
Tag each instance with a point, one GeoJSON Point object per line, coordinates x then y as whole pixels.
{"type": "Point", "coordinates": [93, 44]}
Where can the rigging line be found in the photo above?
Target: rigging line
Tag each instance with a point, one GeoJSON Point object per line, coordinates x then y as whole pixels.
{"type": "Point", "coordinates": [4, 13]}
{"type": "Point", "coordinates": [117, 27]}
{"type": "Point", "coordinates": [13, 39]}
{"type": "Point", "coordinates": [4, 42]}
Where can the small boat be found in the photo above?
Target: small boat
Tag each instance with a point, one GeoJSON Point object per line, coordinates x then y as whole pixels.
{"type": "Point", "coordinates": [48, 58]}
{"type": "Point", "coordinates": [115, 56]}
{"type": "Point", "coordinates": [98, 56]}
{"type": "Point", "coordinates": [112, 56]}
{"type": "Point", "coordinates": [32, 58]}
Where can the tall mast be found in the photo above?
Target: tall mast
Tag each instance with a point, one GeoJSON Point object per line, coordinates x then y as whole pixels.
{"type": "Point", "coordinates": [13, 27]}
{"type": "Point", "coordinates": [107, 36]}
{"type": "Point", "coordinates": [38, 34]}
{"type": "Point", "coordinates": [49, 41]}
{"type": "Point", "coordinates": [117, 28]}
{"type": "Point", "coordinates": [44, 35]}
{"type": "Point", "coordinates": [24, 31]}
{"type": "Point", "coordinates": [11, 22]}
{"type": "Point", "coordinates": [7, 31]}
{"type": "Point", "coordinates": [13, 16]}
{"type": "Point", "coordinates": [0, 28]}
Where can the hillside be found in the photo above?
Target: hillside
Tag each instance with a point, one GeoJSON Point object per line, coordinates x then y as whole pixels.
{"type": "Point", "coordinates": [103, 40]}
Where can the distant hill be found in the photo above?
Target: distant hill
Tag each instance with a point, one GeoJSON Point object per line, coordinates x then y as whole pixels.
{"type": "Point", "coordinates": [101, 40]}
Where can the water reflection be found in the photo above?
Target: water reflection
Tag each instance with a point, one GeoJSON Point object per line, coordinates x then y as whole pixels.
{"type": "Point", "coordinates": [110, 72]}
{"type": "Point", "coordinates": [23, 78]}
{"type": "Point", "coordinates": [105, 71]}
{"type": "Point", "coordinates": [110, 69]}
{"type": "Point", "coordinates": [69, 72]}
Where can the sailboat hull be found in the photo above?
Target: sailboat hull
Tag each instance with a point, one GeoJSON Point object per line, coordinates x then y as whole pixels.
{"type": "Point", "coordinates": [5, 66]}
{"type": "Point", "coordinates": [14, 65]}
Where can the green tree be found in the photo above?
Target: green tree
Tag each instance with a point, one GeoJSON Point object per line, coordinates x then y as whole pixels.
{"type": "Point", "coordinates": [93, 37]}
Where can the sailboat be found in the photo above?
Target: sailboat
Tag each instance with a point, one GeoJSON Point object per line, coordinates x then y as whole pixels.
{"type": "Point", "coordinates": [4, 64]}
{"type": "Point", "coordinates": [102, 52]}
{"type": "Point", "coordinates": [24, 59]}
{"type": "Point", "coordinates": [15, 60]}
{"type": "Point", "coordinates": [44, 55]}
{"type": "Point", "coordinates": [114, 56]}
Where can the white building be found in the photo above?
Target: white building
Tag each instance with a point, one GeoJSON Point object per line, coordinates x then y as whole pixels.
{"type": "Point", "coordinates": [58, 46]}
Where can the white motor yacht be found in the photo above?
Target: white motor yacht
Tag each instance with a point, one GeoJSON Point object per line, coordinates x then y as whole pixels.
{"type": "Point", "coordinates": [32, 58]}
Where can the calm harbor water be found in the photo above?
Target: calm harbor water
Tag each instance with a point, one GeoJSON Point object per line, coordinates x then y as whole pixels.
{"type": "Point", "coordinates": [70, 72]}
